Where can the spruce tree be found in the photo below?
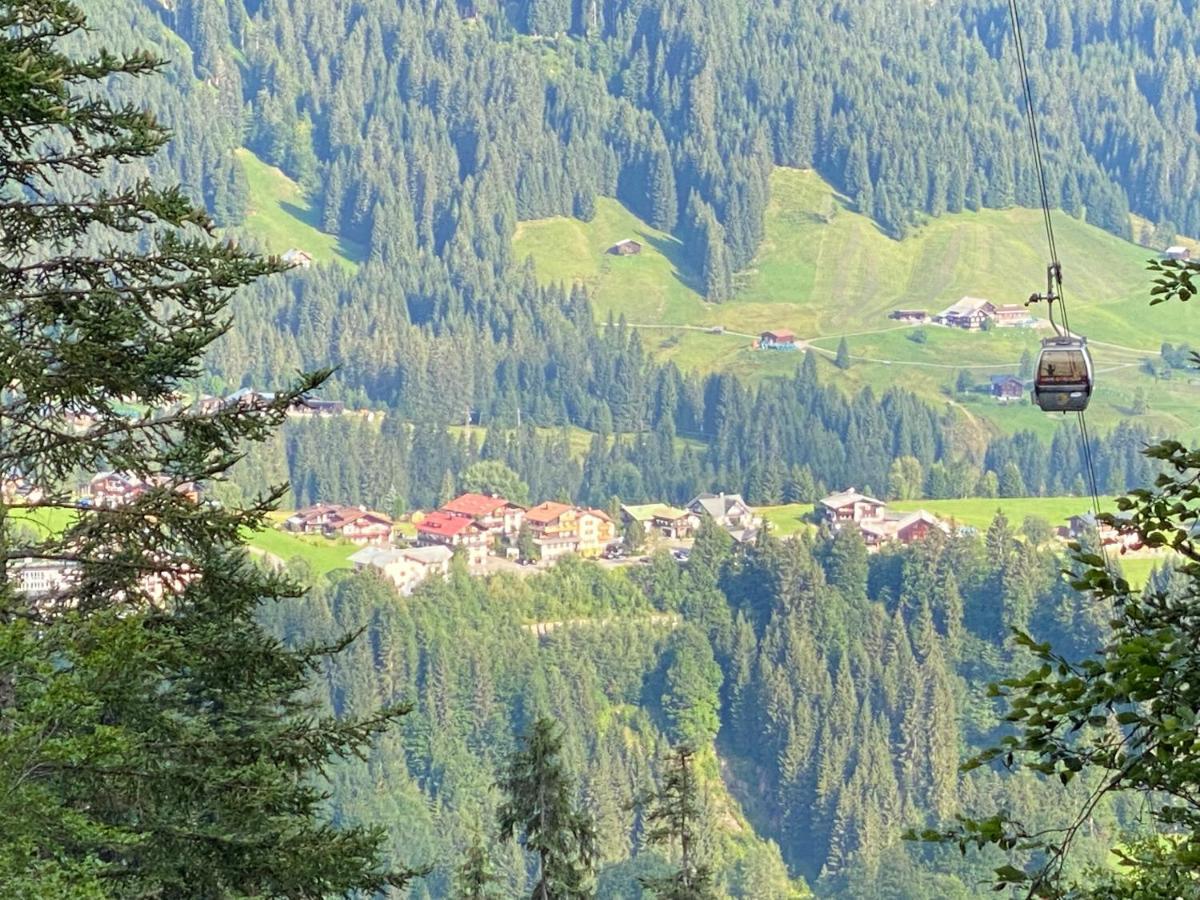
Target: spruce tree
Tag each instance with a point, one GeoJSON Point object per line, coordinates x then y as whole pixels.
{"type": "Point", "coordinates": [673, 818]}
{"type": "Point", "coordinates": [475, 879]}
{"type": "Point", "coordinates": [540, 809]}
{"type": "Point", "coordinates": [154, 739]}
{"type": "Point", "coordinates": [842, 359]}
{"type": "Point", "coordinates": [634, 537]}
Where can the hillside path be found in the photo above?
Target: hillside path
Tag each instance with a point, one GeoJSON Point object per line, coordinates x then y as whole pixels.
{"type": "Point", "coordinates": [811, 343]}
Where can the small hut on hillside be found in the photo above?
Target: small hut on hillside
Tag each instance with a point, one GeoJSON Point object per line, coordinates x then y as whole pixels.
{"type": "Point", "coordinates": [626, 247]}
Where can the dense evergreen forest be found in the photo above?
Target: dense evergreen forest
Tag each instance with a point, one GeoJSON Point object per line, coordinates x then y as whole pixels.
{"type": "Point", "coordinates": [839, 690]}
{"type": "Point", "coordinates": [789, 441]}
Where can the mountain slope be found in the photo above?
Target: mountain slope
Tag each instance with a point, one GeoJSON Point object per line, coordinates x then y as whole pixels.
{"type": "Point", "coordinates": [280, 216]}
{"type": "Point", "coordinates": [826, 271]}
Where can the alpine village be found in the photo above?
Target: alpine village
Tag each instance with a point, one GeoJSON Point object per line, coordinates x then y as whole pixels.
{"type": "Point", "coordinates": [599, 449]}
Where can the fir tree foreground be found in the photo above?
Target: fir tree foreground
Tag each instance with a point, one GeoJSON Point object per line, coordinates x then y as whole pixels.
{"type": "Point", "coordinates": [540, 809]}
{"type": "Point", "coordinates": [154, 740]}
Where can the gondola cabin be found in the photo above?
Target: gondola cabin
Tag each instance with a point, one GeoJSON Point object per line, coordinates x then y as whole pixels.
{"type": "Point", "coordinates": [1065, 377]}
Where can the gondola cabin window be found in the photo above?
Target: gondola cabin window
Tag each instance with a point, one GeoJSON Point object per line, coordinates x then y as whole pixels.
{"type": "Point", "coordinates": [1062, 367]}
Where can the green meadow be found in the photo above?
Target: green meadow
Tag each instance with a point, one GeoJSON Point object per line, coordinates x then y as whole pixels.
{"type": "Point", "coordinates": [322, 554]}
{"type": "Point", "coordinates": [280, 216]}
{"type": "Point", "coordinates": [973, 512]}
{"type": "Point", "coordinates": [828, 273]}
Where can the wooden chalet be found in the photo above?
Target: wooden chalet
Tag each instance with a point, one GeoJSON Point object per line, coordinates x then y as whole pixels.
{"type": "Point", "coordinates": [1007, 387]}
{"type": "Point", "coordinates": [356, 524]}
{"type": "Point", "coordinates": [1010, 315]}
{"type": "Point", "coordinates": [667, 520]}
{"type": "Point", "coordinates": [626, 247]}
{"type": "Point", "coordinates": [730, 512]}
{"type": "Point", "coordinates": [777, 339]}
{"type": "Point", "coordinates": [969, 313]}
{"type": "Point", "coordinates": [850, 506]}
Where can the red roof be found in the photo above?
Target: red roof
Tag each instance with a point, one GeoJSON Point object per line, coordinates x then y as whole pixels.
{"type": "Point", "coordinates": [444, 524]}
{"type": "Point", "coordinates": [547, 512]}
{"type": "Point", "coordinates": [474, 505]}
{"type": "Point", "coordinates": [783, 336]}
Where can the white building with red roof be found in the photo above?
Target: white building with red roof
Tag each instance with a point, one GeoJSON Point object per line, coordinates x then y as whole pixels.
{"type": "Point", "coordinates": [493, 514]}
{"type": "Point", "coordinates": [454, 531]}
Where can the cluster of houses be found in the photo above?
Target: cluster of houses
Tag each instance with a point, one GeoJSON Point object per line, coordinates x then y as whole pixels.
{"type": "Point", "coordinates": [482, 525]}
{"type": "Point", "coordinates": [727, 511]}
{"type": "Point", "coordinates": [356, 524]}
{"type": "Point", "coordinates": [971, 314]}
{"type": "Point", "coordinates": [476, 525]}
{"type": "Point", "coordinates": [851, 509]}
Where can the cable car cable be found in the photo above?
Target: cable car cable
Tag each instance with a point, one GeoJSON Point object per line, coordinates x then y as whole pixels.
{"type": "Point", "coordinates": [1056, 266]}
{"type": "Point", "coordinates": [1089, 461]}
{"type": "Point", "coordinates": [1034, 133]}
{"type": "Point", "coordinates": [1035, 141]}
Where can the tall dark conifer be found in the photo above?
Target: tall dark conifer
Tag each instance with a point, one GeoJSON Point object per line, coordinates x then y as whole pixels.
{"type": "Point", "coordinates": [673, 819]}
{"type": "Point", "coordinates": [154, 739]}
{"type": "Point", "coordinates": [540, 809]}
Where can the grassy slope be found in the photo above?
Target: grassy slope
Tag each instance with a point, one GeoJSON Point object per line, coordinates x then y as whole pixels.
{"type": "Point", "coordinates": [652, 287]}
{"type": "Point", "coordinates": [280, 216]}
{"type": "Point", "coordinates": [322, 554]}
{"type": "Point", "coordinates": [45, 522]}
{"type": "Point", "coordinates": [825, 271]}
{"type": "Point", "coordinates": [976, 512]}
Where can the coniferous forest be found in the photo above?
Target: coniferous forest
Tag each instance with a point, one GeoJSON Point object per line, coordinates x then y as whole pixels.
{"type": "Point", "coordinates": [837, 691]}
{"type": "Point", "coordinates": [802, 701]}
